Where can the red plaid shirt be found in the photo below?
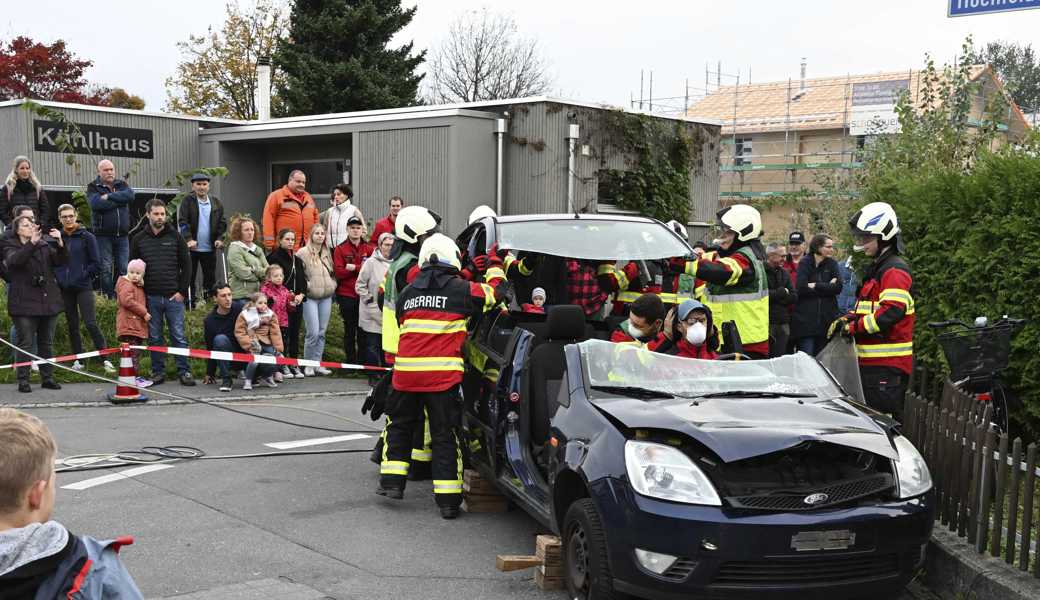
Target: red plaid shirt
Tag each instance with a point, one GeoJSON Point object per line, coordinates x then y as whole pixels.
{"type": "Point", "coordinates": [583, 289]}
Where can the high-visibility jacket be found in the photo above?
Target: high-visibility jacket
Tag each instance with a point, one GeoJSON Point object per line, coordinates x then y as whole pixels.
{"type": "Point", "coordinates": [433, 311]}
{"type": "Point", "coordinates": [883, 318]}
{"type": "Point", "coordinates": [390, 290]}
{"type": "Point", "coordinates": [737, 291]}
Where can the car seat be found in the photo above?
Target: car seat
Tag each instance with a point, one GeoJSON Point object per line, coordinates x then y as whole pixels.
{"type": "Point", "coordinates": [565, 324]}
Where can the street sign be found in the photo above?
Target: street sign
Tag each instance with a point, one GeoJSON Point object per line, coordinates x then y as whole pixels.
{"type": "Point", "coordinates": [967, 8]}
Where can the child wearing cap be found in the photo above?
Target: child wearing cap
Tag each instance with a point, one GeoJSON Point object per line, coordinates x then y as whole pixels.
{"type": "Point", "coordinates": [537, 304]}
{"type": "Point", "coordinates": [39, 558]}
{"type": "Point", "coordinates": [132, 316]}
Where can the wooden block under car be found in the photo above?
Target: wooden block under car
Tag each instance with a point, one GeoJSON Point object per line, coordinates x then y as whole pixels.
{"type": "Point", "coordinates": [513, 562]}
{"type": "Point", "coordinates": [485, 504]}
{"type": "Point", "coordinates": [473, 483]}
{"type": "Point", "coordinates": [547, 548]}
{"type": "Point", "coordinates": [546, 583]}
{"type": "Point", "coordinates": [551, 570]}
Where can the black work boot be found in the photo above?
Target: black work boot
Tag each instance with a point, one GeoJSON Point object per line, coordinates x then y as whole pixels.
{"type": "Point", "coordinates": [449, 512]}
{"type": "Point", "coordinates": [391, 493]}
{"type": "Point", "coordinates": [377, 452]}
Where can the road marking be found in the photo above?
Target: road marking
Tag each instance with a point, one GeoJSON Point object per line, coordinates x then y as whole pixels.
{"type": "Point", "coordinates": [127, 474]}
{"type": "Point", "coordinates": [316, 441]}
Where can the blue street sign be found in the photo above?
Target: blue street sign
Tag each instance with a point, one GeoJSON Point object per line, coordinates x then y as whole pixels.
{"type": "Point", "coordinates": [967, 8]}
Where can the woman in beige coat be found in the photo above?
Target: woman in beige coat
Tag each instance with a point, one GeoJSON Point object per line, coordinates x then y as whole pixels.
{"type": "Point", "coordinates": [321, 285]}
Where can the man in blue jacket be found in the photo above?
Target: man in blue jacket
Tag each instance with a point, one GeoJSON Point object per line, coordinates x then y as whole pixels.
{"type": "Point", "coordinates": [110, 200]}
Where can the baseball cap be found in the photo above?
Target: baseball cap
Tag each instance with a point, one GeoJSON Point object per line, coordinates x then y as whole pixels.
{"type": "Point", "coordinates": [796, 237]}
{"type": "Point", "coordinates": [199, 177]}
{"type": "Point", "coordinates": [687, 307]}
{"type": "Point", "coordinates": [354, 221]}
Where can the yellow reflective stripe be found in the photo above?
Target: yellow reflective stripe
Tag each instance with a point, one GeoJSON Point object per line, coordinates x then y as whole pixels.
{"type": "Point", "coordinates": [605, 269]}
{"type": "Point", "coordinates": [691, 267]}
{"type": "Point", "coordinates": [422, 455]}
{"type": "Point", "coordinates": [619, 274]}
{"type": "Point", "coordinates": [667, 298]}
{"type": "Point", "coordinates": [522, 268]}
{"type": "Point", "coordinates": [447, 486]}
{"type": "Point", "coordinates": [700, 291]}
{"type": "Point", "coordinates": [433, 326]}
{"type": "Point", "coordinates": [896, 295]}
{"type": "Point", "coordinates": [885, 350]}
{"type": "Point", "coordinates": [494, 273]}
{"type": "Point", "coordinates": [735, 269]}
{"type": "Point", "coordinates": [489, 295]}
{"type": "Point", "coordinates": [429, 363]}
{"type": "Point", "coordinates": [865, 307]}
{"type": "Point", "coordinates": [870, 324]}
{"type": "Point", "coordinates": [393, 467]}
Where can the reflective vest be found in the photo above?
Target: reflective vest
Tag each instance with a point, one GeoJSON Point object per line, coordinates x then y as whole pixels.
{"type": "Point", "coordinates": [391, 331]}
{"type": "Point", "coordinates": [747, 305]}
{"type": "Point", "coordinates": [884, 313]}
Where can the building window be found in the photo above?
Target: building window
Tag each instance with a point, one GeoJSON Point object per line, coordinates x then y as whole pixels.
{"type": "Point", "coordinates": [321, 175]}
{"type": "Point", "coordinates": [742, 151]}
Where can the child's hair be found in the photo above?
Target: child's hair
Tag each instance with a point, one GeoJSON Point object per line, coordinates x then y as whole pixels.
{"type": "Point", "coordinates": [135, 265]}
{"type": "Point", "coordinates": [270, 271]}
{"type": "Point", "coordinates": [255, 297]}
{"type": "Point", "coordinates": [27, 452]}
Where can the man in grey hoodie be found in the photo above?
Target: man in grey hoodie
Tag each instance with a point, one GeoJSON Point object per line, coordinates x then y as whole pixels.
{"type": "Point", "coordinates": [39, 558]}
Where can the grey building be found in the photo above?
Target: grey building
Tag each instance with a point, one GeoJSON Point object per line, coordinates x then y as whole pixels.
{"type": "Point", "coordinates": [531, 155]}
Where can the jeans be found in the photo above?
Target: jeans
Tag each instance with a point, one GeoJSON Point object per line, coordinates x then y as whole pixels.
{"type": "Point", "coordinates": [811, 345]}
{"type": "Point", "coordinates": [208, 262]}
{"type": "Point", "coordinates": [41, 329]}
{"type": "Point", "coordinates": [18, 356]}
{"type": "Point", "coordinates": [223, 343]}
{"type": "Point", "coordinates": [115, 253]}
{"type": "Point", "coordinates": [353, 336]}
{"type": "Point", "coordinates": [778, 334]}
{"type": "Point", "coordinates": [80, 303]}
{"type": "Point", "coordinates": [161, 307]}
{"type": "Point", "coordinates": [256, 370]}
{"type": "Point", "coordinates": [316, 315]}
{"type": "Point", "coordinates": [373, 355]}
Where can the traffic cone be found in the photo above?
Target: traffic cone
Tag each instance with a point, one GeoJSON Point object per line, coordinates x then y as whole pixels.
{"type": "Point", "coordinates": [126, 390]}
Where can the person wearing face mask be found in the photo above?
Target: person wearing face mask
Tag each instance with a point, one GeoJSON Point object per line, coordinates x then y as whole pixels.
{"type": "Point", "coordinates": [690, 332]}
{"type": "Point", "coordinates": [643, 325]}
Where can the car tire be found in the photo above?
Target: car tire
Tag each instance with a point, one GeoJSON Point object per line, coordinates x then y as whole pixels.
{"type": "Point", "coordinates": [586, 566]}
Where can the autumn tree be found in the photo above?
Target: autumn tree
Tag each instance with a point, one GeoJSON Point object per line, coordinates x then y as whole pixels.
{"type": "Point", "coordinates": [217, 77]}
{"type": "Point", "coordinates": [120, 98]}
{"type": "Point", "coordinates": [30, 69]}
{"type": "Point", "coordinates": [483, 57]}
{"type": "Point", "coordinates": [337, 57]}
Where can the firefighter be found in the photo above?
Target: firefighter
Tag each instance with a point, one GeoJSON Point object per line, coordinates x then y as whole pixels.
{"type": "Point", "coordinates": [433, 312]}
{"type": "Point", "coordinates": [882, 320]}
{"type": "Point", "coordinates": [736, 288]}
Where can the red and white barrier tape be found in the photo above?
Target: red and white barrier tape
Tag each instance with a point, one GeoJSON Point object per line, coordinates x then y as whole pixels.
{"type": "Point", "coordinates": [257, 358]}
{"type": "Point", "coordinates": [65, 358]}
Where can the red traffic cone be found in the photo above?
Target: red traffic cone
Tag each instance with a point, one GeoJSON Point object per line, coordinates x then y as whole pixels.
{"type": "Point", "coordinates": [126, 390]}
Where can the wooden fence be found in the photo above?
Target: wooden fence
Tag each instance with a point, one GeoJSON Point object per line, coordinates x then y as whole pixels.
{"type": "Point", "coordinates": [986, 485]}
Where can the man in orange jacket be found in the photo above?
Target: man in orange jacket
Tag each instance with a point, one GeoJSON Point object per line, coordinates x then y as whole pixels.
{"type": "Point", "coordinates": [290, 207]}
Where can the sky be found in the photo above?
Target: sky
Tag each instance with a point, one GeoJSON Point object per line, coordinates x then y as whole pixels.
{"type": "Point", "coordinates": [596, 49]}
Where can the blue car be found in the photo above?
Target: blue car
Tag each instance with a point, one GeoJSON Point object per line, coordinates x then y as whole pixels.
{"type": "Point", "coordinates": [668, 477]}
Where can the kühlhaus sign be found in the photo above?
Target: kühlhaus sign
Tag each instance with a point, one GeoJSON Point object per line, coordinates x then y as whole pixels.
{"type": "Point", "coordinates": [99, 140]}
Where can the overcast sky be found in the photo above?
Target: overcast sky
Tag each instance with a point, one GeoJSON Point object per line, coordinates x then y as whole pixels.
{"type": "Point", "coordinates": [596, 49]}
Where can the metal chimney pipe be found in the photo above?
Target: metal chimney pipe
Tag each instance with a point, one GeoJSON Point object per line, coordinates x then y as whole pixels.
{"type": "Point", "coordinates": [263, 88]}
{"type": "Point", "coordinates": [802, 88]}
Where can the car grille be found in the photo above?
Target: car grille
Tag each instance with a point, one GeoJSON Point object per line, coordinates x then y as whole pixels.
{"type": "Point", "coordinates": [820, 570]}
{"type": "Point", "coordinates": [839, 493]}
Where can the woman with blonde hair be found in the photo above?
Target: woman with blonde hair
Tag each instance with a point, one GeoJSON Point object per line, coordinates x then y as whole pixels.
{"type": "Point", "coordinates": [246, 261]}
{"type": "Point", "coordinates": [321, 285]}
{"type": "Point", "coordinates": [23, 188]}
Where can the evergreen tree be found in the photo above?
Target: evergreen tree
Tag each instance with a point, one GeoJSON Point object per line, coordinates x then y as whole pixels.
{"type": "Point", "coordinates": [336, 57]}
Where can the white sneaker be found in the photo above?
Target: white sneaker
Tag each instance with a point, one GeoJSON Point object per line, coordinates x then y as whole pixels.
{"type": "Point", "coordinates": [286, 371]}
{"type": "Point", "coordinates": [247, 385]}
{"type": "Point", "coordinates": [298, 373]}
{"type": "Point", "coordinates": [109, 367]}
{"type": "Point", "coordinates": [268, 382]}
{"type": "Point", "coordinates": [142, 382]}
{"type": "Point", "coordinates": [278, 377]}
{"type": "Point", "coordinates": [308, 372]}
{"type": "Point", "coordinates": [323, 371]}
{"type": "Point", "coordinates": [76, 366]}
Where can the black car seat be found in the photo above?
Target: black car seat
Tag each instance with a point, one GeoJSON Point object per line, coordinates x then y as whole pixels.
{"type": "Point", "coordinates": [565, 324]}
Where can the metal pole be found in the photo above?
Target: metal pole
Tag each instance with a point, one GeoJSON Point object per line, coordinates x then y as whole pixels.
{"type": "Point", "coordinates": [500, 130]}
{"type": "Point", "coordinates": [640, 89]}
{"type": "Point", "coordinates": [572, 139]}
{"type": "Point", "coordinates": [736, 92]}
{"type": "Point", "coordinates": [686, 99]}
{"type": "Point", "coordinates": [651, 99]}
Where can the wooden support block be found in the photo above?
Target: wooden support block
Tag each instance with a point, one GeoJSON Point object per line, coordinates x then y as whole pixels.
{"type": "Point", "coordinates": [547, 548]}
{"type": "Point", "coordinates": [485, 504]}
{"type": "Point", "coordinates": [546, 583]}
{"type": "Point", "coordinates": [473, 483]}
{"type": "Point", "coordinates": [512, 562]}
{"type": "Point", "coordinates": [551, 570]}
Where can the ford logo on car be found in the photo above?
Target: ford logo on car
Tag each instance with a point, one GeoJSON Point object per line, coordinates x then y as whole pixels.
{"type": "Point", "coordinates": [813, 499]}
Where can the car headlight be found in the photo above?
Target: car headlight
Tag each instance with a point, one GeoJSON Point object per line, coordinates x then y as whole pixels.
{"type": "Point", "coordinates": [912, 471]}
{"type": "Point", "coordinates": [664, 472]}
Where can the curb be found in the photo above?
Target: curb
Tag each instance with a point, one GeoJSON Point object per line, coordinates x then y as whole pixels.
{"type": "Point", "coordinates": [167, 402]}
{"type": "Point", "coordinates": [954, 570]}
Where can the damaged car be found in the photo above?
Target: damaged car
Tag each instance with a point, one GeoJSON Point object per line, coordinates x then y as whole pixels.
{"type": "Point", "coordinates": [668, 477]}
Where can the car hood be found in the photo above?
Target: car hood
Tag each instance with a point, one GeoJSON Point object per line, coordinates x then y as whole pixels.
{"type": "Point", "coordinates": [736, 428]}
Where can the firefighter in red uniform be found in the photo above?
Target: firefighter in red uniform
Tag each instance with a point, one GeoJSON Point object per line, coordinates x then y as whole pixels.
{"type": "Point", "coordinates": [433, 311]}
{"type": "Point", "coordinates": [882, 322]}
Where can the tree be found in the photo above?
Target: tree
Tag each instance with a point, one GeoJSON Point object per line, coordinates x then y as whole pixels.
{"type": "Point", "coordinates": [218, 75]}
{"type": "Point", "coordinates": [483, 58]}
{"type": "Point", "coordinates": [1019, 68]}
{"type": "Point", "coordinates": [336, 57]}
{"type": "Point", "coordinates": [120, 98]}
{"type": "Point", "coordinates": [30, 69]}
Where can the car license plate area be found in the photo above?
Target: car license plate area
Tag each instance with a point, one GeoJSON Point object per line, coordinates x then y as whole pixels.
{"type": "Point", "coordinates": [810, 541]}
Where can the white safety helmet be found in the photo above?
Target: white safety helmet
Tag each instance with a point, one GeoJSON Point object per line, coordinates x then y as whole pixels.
{"type": "Point", "coordinates": [481, 212]}
{"type": "Point", "coordinates": [440, 249]}
{"type": "Point", "coordinates": [743, 219]}
{"type": "Point", "coordinates": [678, 228]}
{"type": "Point", "coordinates": [415, 221]}
{"type": "Point", "coordinates": [876, 218]}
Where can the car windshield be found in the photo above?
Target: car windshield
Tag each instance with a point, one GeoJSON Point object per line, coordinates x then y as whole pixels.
{"type": "Point", "coordinates": [613, 365]}
{"type": "Point", "coordinates": [592, 239]}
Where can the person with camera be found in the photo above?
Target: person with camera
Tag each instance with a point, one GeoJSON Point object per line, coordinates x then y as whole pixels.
{"type": "Point", "coordinates": [34, 300]}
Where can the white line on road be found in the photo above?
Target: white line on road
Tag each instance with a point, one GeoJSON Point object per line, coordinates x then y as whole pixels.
{"type": "Point", "coordinates": [89, 483]}
{"type": "Point", "coordinates": [316, 441]}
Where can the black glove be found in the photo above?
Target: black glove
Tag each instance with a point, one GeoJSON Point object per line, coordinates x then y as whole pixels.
{"type": "Point", "coordinates": [375, 401]}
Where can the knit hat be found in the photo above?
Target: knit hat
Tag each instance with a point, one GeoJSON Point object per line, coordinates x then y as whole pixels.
{"type": "Point", "coordinates": [538, 293]}
{"type": "Point", "coordinates": [135, 265]}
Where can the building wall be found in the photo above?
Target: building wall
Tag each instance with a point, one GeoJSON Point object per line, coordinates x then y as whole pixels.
{"type": "Point", "coordinates": [473, 150]}
{"type": "Point", "coordinates": [245, 188]}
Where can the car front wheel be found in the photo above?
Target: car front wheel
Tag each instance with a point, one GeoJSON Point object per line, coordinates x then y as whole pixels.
{"type": "Point", "coordinates": [585, 564]}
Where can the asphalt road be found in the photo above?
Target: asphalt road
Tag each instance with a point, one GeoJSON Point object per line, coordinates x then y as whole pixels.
{"type": "Point", "coordinates": [296, 528]}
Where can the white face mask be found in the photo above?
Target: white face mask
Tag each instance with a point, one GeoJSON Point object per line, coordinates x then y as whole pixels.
{"type": "Point", "coordinates": [696, 333]}
{"type": "Point", "coordinates": [636, 332]}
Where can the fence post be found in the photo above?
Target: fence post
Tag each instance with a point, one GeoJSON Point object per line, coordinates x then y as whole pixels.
{"type": "Point", "coordinates": [953, 457]}
{"type": "Point", "coordinates": [1027, 509]}
{"type": "Point", "coordinates": [985, 483]}
{"type": "Point", "coordinates": [1016, 480]}
{"type": "Point", "coordinates": [969, 468]}
{"type": "Point", "coordinates": [1000, 471]}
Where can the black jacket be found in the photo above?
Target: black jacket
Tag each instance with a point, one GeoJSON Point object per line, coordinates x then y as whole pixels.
{"type": "Point", "coordinates": [188, 218]}
{"type": "Point", "coordinates": [781, 296]}
{"type": "Point", "coordinates": [110, 215]}
{"type": "Point", "coordinates": [32, 289]}
{"type": "Point", "coordinates": [818, 306]}
{"type": "Point", "coordinates": [292, 266]}
{"type": "Point", "coordinates": [24, 193]}
{"type": "Point", "coordinates": [167, 262]}
{"type": "Point", "coordinates": [217, 324]}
